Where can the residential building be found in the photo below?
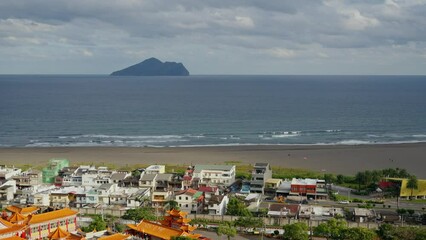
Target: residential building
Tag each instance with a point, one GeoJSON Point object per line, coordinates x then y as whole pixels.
{"type": "Point", "coordinates": [139, 198]}
{"type": "Point", "coordinates": [259, 175]}
{"type": "Point", "coordinates": [278, 211]}
{"type": "Point", "coordinates": [155, 169]}
{"type": "Point", "coordinates": [217, 204]}
{"type": "Point", "coordinates": [29, 178]}
{"type": "Point", "coordinates": [271, 186]}
{"type": "Point", "coordinates": [311, 188]}
{"type": "Point", "coordinates": [190, 200]}
{"type": "Point", "coordinates": [6, 173]}
{"type": "Point", "coordinates": [214, 175]}
{"type": "Point", "coordinates": [319, 213]}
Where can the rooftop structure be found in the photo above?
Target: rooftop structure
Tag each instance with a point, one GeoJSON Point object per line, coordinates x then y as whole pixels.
{"type": "Point", "coordinates": [214, 175]}
{"type": "Point", "coordinates": [261, 172]}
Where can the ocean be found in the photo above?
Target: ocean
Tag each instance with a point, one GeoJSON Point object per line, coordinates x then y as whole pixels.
{"type": "Point", "coordinates": [99, 110]}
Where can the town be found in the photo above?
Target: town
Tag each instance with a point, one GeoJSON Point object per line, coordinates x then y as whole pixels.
{"type": "Point", "coordinates": [63, 201]}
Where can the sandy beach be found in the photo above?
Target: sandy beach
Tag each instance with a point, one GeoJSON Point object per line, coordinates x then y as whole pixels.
{"type": "Point", "coordinates": [333, 159]}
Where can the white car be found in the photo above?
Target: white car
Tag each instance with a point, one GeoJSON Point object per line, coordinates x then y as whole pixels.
{"type": "Point", "coordinates": [344, 202]}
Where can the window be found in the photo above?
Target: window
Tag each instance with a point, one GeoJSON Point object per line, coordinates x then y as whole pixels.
{"type": "Point", "coordinates": [186, 198]}
{"type": "Point", "coordinates": [186, 205]}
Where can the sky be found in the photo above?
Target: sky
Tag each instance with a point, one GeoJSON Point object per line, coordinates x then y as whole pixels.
{"type": "Point", "coordinates": [214, 36]}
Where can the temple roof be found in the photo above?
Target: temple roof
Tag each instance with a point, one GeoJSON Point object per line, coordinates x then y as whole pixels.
{"type": "Point", "coordinates": [177, 213]}
{"type": "Point", "coordinates": [44, 217]}
{"type": "Point", "coordinates": [59, 233]}
{"type": "Point", "coordinates": [158, 230]}
{"type": "Point", "coordinates": [16, 217]}
{"type": "Point", "coordinates": [12, 229]}
{"type": "Point", "coordinates": [188, 228]}
{"type": "Point", "coordinates": [23, 211]}
{"type": "Point", "coordinates": [117, 236]}
{"type": "Point", "coordinates": [5, 223]}
{"type": "Point", "coordinates": [14, 238]}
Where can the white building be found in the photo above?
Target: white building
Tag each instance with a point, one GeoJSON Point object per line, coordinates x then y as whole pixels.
{"type": "Point", "coordinates": [217, 204]}
{"type": "Point", "coordinates": [190, 200]}
{"type": "Point", "coordinates": [214, 175]}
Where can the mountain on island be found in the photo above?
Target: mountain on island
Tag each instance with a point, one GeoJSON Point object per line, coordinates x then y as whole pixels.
{"type": "Point", "coordinates": [153, 67]}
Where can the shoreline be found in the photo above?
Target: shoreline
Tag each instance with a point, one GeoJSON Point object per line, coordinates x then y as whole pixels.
{"type": "Point", "coordinates": [339, 159]}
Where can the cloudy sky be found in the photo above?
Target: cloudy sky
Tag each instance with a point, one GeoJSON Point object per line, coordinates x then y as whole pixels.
{"type": "Point", "coordinates": [214, 36]}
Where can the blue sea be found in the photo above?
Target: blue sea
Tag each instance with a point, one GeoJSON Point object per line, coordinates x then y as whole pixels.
{"type": "Point", "coordinates": [74, 110]}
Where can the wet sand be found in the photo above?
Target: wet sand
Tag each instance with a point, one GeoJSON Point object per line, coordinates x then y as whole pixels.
{"type": "Point", "coordinates": [333, 159]}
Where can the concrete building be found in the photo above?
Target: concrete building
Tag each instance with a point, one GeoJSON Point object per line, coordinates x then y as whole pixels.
{"type": "Point", "coordinates": [214, 175]}
{"type": "Point", "coordinates": [259, 175]}
{"type": "Point", "coordinates": [190, 200]}
{"type": "Point", "coordinates": [217, 204]}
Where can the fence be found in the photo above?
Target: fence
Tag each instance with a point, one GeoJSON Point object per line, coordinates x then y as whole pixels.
{"type": "Point", "coordinates": [269, 221]}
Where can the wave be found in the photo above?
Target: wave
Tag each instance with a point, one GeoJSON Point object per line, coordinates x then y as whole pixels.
{"type": "Point", "coordinates": [419, 135]}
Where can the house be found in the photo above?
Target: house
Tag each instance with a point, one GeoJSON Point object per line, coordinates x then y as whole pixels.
{"type": "Point", "coordinates": [155, 169]}
{"type": "Point", "coordinates": [361, 215]}
{"type": "Point", "coordinates": [7, 191]}
{"type": "Point", "coordinates": [28, 178]}
{"type": "Point", "coordinates": [139, 198]}
{"type": "Point", "coordinates": [217, 204]}
{"type": "Point", "coordinates": [271, 186]}
{"type": "Point", "coordinates": [259, 175]}
{"type": "Point", "coordinates": [214, 175]}
{"type": "Point", "coordinates": [209, 191]}
{"type": "Point", "coordinates": [190, 200]}
{"type": "Point", "coordinates": [279, 210]}
{"type": "Point", "coordinates": [118, 177]}
{"type": "Point", "coordinates": [316, 212]}
{"type": "Point", "coordinates": [309, 188]}
{"type": "Point", "coordinates": [387, 216]}
{"type": "Point", "coordinates": [6, 173]}
{"type": "Point", "coordinates": [147, 181]}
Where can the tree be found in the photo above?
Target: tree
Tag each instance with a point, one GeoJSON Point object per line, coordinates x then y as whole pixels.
{"type": "Point", "coordinates": [97, 224]}
{"type": "Point", "coordinates": [296, 231]}
{"type": "Point", "coordinates": [226, 229]}
{"type": "Point", "coordinates": [237, 208]}
{"type": "Point", "coordinates": [412, 184]}
{"type": "Point", "coordinates": [181, 238]}
{"type": "Point", "coordinates": [340, 179]}
{"type": "Point", "coordinates": [332, 229]}
{"type": "Point", "coordinates": [249, 222]}
{"type": "Point", "coordinates": [359, 233]}
{"type": "Point", "coordinates": [329, 178]}
{"type": "Point", "coordinates": [360, 178]}
{"type": "Point", "coordinates": [386, 232]}
{"type": "Point", "coordinates": [138, 214]}
{"type": "Point", "coordinates": [172, 204]}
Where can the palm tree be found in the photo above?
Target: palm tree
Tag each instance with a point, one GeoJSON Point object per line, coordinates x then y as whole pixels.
{"type": "Point", "coordinates": [412, 184]}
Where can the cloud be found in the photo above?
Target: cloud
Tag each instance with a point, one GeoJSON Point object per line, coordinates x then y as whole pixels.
{"type": "Point", "coordinates": [210, 36]}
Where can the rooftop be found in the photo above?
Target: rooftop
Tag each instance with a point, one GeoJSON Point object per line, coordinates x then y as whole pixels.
{"type": "Point", "coordinates": [199, 168]}
{"type": "Point", "coordinates": [44, 217]}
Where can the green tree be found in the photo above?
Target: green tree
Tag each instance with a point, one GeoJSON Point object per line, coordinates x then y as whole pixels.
{"type": "Point", "coordinates": [249, 222]}
{"type": "Point", "coordinates": [296, 231]}
{"type": "Point", "coordinates": [386, 232]}
{"type": "Point", "coordinates": [138, 214]}
{"type": "Point", "coordinates": [97, 224]}
{"type": "Point", "coordinates": [329, 178]}
{"type": "Point", "coordinates": [412, 184]}
{"type": "Point", "coordinates": [360, 179]}
{"type": "Point", "coordinates": [340, 179]}
{"type": "Point", "coordinates": [172, 204]}
{"type": "Point", "coordinates": [227, 229]}
{"type": "Point", "coordinates": [358, 233]}
{"type": "Point", "coordinates": [181, 238]}
{"type": "Point", "coordinates": [332, 229]}
{"type": "Point", "coordinates": [237, 208]}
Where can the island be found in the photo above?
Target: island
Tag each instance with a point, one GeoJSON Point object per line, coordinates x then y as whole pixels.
{"type": "Point", "coordinates": [153, 67]}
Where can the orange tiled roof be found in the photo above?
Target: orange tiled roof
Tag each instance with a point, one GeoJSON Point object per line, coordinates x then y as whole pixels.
{"type": "Point", "coordinates": [75, 237]}
{"type": "Point", "coordinates": [12, 229]}
{"type": "Point", "coordinates": [44, 217]}
{"type": "Point", "coordinates": [183, 220]}
{"type": "Point", "coordinates": [188, 228]}
{"type": "Point", "coordinates": [16, 217]}
{"type": "Point", "coordinates": [59, 233]}
{"type": "Point", "coordinates": [158, 230]}
{"type": "Point", "coordinates": [23, 211]}
{"type": "Point", "coordinates": [14, 238]}
{"type": "Point", "coordinates": [117, 236]}
{"type": "Point", "coordinates": [177, 213]}
{"type": "Point", "coordinates": [5, 223]}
